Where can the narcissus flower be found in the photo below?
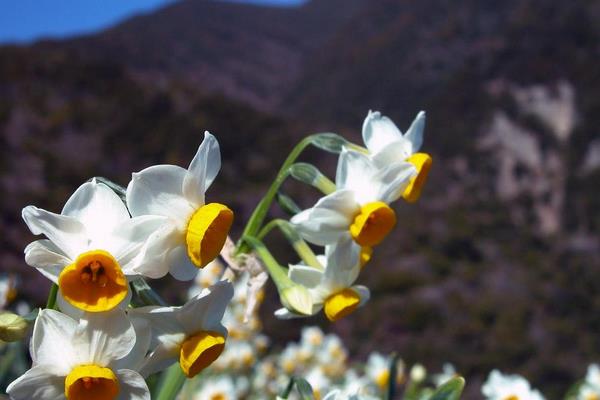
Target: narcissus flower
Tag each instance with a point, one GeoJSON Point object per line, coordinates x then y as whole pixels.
{"type": "Point", "coordinates": [508, 387]}
{"type": "Point", "coordinates": [387, 145]}
{"type": "Point", "coordinates": [359, 208]}
{"type": "Point", "coordinates": [192, 334]}
{"type": "Point", "coordinates": [91, 247]}
{"type": "Point", "coordinates": [195, 231]}
{"type": "Point", "coordinates": [330, 288]}
{"type": "Point", "coordinates": [94, 358]}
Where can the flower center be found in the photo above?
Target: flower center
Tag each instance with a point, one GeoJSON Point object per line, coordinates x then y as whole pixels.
{"type": "Point", "coordinates": [94, 282]}
{"type": "Point", "coordinates": [206, 233]}
{"type": "Point", "coordinates": [422, 162]}
{"type": "Point", "coordinates": [382, 379]}
{"type": "Point", "coordinates": [91, 382]}
{"type": "Point", "coordinates": [218, 396]}
{"type": "Point", "coordinates": [199, 351]}
{"type": "Point", "coordinates": [372, 224]}
{"type": "Point", "coordinates": [511, 397]}
{"type": "Point", "coordinates": [341, 304]}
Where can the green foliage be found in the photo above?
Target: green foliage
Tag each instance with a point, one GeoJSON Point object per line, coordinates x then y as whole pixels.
{"type": "Point", "coordinates": [450, 390]}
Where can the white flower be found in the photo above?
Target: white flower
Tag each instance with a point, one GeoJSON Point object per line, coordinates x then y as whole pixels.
{"type": "Point", "coordinates": [378, 370]}
{"type": "Point", "coordinates": [387, 145]}
{"type": "Point", "coordinates": [508, 387]}
{"type": "Point", "coordinates": [195, 232]}
{"type": "Point", "coordinates": [90, 359]}
{"type": "Point", "coordinates": [221, 388]}
{"type": "Point", "coordinates": [359, 208]}
{"type": "Point", "coordinates": [192, 334]}
{"type": "Point", "coordinates": [337, 394]}
{"type": "Point", "coordinates": [318, 381]}
{"type": "Point", "coordinates": [590, 389]}
{"type": "Point", "coordinates": [331, 288]}
{"type": "Point", "coordinates": [91, 247]}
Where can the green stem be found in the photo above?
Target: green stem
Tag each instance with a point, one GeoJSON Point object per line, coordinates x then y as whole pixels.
{"type": "Point", "coordinates": [260, 212]}
{"type": "Point", "coordinates": [393, 368]}
{"type": "Point", "coordinates": [302, 248]}
{"type": "Point", "coordinates": [288, 389]}
{"type": "Point", "coordinates": [51, 303]}
{"type": "Point", "coordinates": [144, 293]}
{"type": "Point", "coordinates": [171, 383]}
{"type": "Point", "coordinates": [278, 274]}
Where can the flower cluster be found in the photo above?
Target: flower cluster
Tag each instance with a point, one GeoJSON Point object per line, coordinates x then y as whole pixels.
{"type": "Point", "coordinates": [96, 252]}
{"type": "Point", "coordinates": [355, 214]}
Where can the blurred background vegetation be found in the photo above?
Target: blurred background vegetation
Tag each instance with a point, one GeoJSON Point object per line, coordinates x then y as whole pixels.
{"type": "Point", "coordinates": [496, 266]}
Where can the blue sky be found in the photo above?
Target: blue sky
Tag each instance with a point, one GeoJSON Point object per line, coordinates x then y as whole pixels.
{"type": "Point", "coordinates": [23, 21]}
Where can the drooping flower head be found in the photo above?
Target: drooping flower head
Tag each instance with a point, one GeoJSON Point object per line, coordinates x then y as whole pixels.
{"type": "Point", "coordinates": [93, 359]}
{"type": "Point", "coordinates": [387, 145]}
{"type": "Point", "coordinates": [91, 247]}
{"type": "Point", "coordinates": [195, 231]}
{"type": "Point", "coordinates": [331, 288]}
{"type": "Point", "coordinates": [192, 334]}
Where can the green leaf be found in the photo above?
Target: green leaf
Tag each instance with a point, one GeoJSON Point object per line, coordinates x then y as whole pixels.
{"type": "Point", "coordinates": [450, 390]}
{"type": "Point", "coordinates": [304, 388]}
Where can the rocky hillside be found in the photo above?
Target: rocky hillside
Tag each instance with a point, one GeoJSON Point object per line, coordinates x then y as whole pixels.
{"type": "Point", "coordinates": [497, 266]}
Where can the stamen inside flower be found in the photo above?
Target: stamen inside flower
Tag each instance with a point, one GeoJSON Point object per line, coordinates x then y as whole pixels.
{"type": "Point", "coordinates": [422, 162]}
{"type": "Point", "coordinates": [91, 382]}
{"type": "Point", "coordinates": [206, 233]}
{"type": "Point", "coordinates": [199, 351]}
{"type": "Point", "coordinates": [372, 224]}
{"type": "Point", "coordinates": [94, 282]}
{"type": "Point", "coordinates": [511, 397]}
{"type": "Point", "coordinates": [341, 304]}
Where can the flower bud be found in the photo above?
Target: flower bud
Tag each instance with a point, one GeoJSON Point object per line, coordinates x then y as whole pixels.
{"type": "Point", "coordinates": [12, 327]}
{"type": "Point", "coordinates": [296, 298]}
{"type": "Point", "coordinates": [418, 373]}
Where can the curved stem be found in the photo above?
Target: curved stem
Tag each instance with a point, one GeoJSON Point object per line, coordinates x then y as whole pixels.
{"type": "Point", "coordinates": [260, 212]}
{"type": "Point", "coordinates": [171, 383]}
{"type": "Point", "coordinates": [302, 248]}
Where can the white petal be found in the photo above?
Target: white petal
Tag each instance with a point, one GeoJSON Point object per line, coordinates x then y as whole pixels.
{"type": "Point", "coordinates": [393, 180]}
{"type": "Point", "coordinates": [205, 311]}
{"type": "Point", "coordinates": [329, 219]}
{"type": "Point", "coordinates": [158, 190]}
{"type": "Point", "coordinates": [363, 292]}
{"type": "Point", "coordinates": [152, 260]}
{"type": "Point", "coordinates": [345, 254]}
{"type": "Point", "coordinates": [354, 171]}
{"type": "Point", "coordinates": [97, 207]}
{"type": "Point", "coordinates": [163, 322]}
{"type": "Point", "coordinates": [51, 342]}
{"type": "Point", "coordinates": [127, 239]}
{"type": "Point", "coordinates": [102, 338]}
{"type": "Point", "coordinates": [47, 258]}
{"type": "Point", "coordinates": [143, 337]}
{"type": "Point", "coordinates": [160, 359]}
{"type": "Point", "coordinates": [414, 134]}
{"type": "Point", "coordinates": [284, 313]}
{"type": "Point", "coordinates": [132, 386]}
{"type": "Point", "coordinates": [182, 268]}
{"type": "Point", "coordinates": [202, 170]}
{"type": "Point", "coordinates": [68, 234]}
{"type": "Point", "coordinates": [40, 383]}
{"type": "Point", "coordinates": [340, 276]}
{"type": "Point", "coordinates": [379, 131]}
{"type": "Point", "coordinates": [392, 153]}
{"type": "Point", "coordinates": [305, 276]}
